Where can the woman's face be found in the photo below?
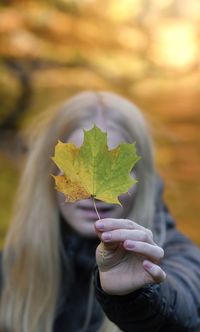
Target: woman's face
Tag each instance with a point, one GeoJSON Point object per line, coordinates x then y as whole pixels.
{"type": "Point", "coordinates": [81, 215]}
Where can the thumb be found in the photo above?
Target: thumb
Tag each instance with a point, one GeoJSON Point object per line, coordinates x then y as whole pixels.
{"type": "Point", "coordinates": [106, 256]}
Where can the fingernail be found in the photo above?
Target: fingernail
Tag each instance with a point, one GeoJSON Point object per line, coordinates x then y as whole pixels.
{"type": "Point", "coordinates": [100, 225]}
{"type": "Point", "coordinates": [130, 244]}
{"type": "Point", "coordinates": [106, 236]}
{"type": "Point", "coordinates": [148, 264]}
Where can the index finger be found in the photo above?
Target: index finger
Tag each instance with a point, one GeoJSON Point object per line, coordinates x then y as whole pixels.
{"type": "Point", "coordinates": [109, 224]}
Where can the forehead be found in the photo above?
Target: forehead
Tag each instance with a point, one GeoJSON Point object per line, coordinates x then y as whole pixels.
{"type": "Point", "coordinates": [115, 135]}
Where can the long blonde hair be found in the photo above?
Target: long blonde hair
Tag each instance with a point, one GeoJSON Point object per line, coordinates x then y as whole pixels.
{"type": "Point", "coordinates": [31, 259]}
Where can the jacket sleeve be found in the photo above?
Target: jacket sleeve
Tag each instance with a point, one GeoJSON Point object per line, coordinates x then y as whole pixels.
{"type": "Point", "coordinates": [173, 305]}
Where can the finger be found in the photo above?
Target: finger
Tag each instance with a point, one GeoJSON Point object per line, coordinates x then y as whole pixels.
{"type": "Point", "coordinates": [97, 232]}
{"type": "Point", "coordinates": [109, 224]}
{"type": "Point", "coordinates": [107, 246]}
{"type": "Point", "coordinates": [153, 252]}
{"type": "Point", "coordinates": [120, 235]}
{"type": "Point", "coordinates": [155, 271]}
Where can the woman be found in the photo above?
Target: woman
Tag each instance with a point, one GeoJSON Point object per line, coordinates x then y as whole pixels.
{"type": "Point", "coordinates": [49, 254]}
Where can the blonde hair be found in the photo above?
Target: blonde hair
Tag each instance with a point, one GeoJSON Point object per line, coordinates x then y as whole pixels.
{"type": "Point", "coordinates": [31, 259]}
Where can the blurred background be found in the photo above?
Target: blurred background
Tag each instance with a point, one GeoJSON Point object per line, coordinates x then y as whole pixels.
{"type": "Point", "coordinates": [146, 50]}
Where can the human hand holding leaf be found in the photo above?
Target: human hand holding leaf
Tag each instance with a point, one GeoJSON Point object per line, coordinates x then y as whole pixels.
{"type": "Point", "coordinates": [93, 170]}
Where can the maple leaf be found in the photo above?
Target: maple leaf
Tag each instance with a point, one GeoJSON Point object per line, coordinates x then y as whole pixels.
{"type": "Point", "coordinates": [93, 170]}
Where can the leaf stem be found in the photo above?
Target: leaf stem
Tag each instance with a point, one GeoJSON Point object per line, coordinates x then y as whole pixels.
{"type": "Point", "coordinates": [95, 208]}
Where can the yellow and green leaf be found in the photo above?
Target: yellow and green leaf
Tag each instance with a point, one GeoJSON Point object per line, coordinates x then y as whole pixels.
{"type": "Point", "coordinates": [93, 170]}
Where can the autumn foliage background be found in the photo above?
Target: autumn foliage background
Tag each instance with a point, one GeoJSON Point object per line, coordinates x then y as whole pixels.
{"type": "Point", "coordinates": [147, 51]}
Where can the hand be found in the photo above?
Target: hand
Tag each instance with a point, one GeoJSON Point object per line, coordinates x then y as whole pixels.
{"type": "Point", "coordinates": [127, 257]}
